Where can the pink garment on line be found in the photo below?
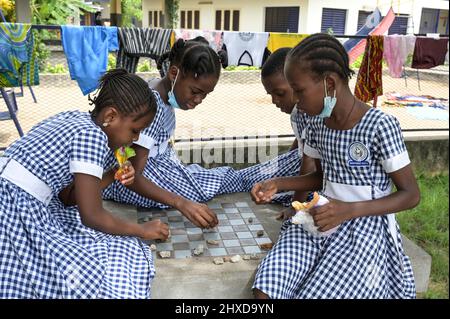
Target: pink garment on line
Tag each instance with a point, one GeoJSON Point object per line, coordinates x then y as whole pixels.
{"type": "Point", "coordinates": [213, 37]}
{"type": "Point", "coordinates": [396, 51]}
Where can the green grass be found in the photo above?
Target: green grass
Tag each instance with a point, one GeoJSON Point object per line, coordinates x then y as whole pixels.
{"type": "Point", "coordinates": [427, 226]}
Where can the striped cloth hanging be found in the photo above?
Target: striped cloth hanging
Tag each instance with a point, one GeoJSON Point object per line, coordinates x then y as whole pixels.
{"type": "Point", "coordinates": [141, 42]}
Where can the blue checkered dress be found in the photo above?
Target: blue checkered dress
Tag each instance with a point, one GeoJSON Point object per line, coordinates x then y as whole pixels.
{"type": "Point", "coordinates": [193, 181]}
{"type": "Point", "coordinates": [287, 164]}
{"type": "Point", "coordinates": [364, 258]}
{"type": "Point", "coordinates": [46, 252]}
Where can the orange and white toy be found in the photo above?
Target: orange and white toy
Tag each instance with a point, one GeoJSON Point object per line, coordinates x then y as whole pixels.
{"type": "Point", "coordinates": [122, 155]}
{"type": "Point", "coordinates": [302, 216]}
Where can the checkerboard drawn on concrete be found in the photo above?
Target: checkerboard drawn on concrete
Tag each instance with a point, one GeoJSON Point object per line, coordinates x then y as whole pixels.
{"type": "Point", "coordinates": [238, 232]}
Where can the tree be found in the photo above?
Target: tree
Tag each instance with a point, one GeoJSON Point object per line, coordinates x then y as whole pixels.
{"type": "Point", "coordinates": [53, 12]}
{"type": "Point", "coordinates": [7, 7]}
{"type": "Point", "coordinates": [131, 10]}
{"type": "Point", "coordinates": [57, 11]}
{"type": "Point", "coordinates": [172, 7]}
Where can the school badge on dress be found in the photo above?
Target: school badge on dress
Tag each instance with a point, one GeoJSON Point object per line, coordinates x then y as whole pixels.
{"type": "Point", "coordinates": [358, 154]}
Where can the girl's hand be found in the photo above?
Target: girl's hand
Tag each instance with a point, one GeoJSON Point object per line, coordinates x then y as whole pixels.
{"type": "Point", "coordinates": [199, 214]}
{"type": "Point", "coordinates": [331, 214]}
{"type": "Point", "coordinates": [155, 229]}
{"type": "Point", "coordinates": [263, 192]}
{"type": "Point", "coordinates": [286, 214]}
{"type": "Point", "coordinates": [127, 178]}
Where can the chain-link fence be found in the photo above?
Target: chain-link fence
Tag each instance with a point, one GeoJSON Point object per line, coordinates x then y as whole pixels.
{"type": "Point", "coordinates": [238, 106]}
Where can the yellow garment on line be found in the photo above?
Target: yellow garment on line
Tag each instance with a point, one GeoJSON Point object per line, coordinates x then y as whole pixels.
{"type": "Point", "coordinates": [172, 39]}
{"type": "Point", "coordinates": [282, 40]}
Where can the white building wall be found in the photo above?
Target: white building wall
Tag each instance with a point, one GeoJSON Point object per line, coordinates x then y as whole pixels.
{"type": "Point", "coordinates": [252, 11]}
{"type": "Point", "coordinates": [430, 4]}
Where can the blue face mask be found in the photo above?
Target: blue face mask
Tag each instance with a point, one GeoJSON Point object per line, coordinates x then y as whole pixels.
{"type": "Point", "coordinates": [171, 96]}
{"type": "Point", "coordinates": [328, 103]}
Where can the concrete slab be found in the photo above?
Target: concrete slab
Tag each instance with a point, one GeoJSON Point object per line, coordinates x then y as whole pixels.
{"type": "Point", "coordinates": [421, 264]}
{"type": "Point", "coordinates": [200, 278]}
{"type": "Point", "coordinates": [126, 212]}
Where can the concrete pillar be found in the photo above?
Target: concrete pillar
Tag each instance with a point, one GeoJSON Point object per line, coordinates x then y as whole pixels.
{"type": "Point", "coordinates": [165, 21]}
{"type": "Point", "coordinates": [23, 11]}
{"type": "Point", "coordinates": [116, 12]}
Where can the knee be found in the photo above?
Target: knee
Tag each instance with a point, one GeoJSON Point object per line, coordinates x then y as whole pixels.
{"type": "Point", "coordinates": [258, 294]}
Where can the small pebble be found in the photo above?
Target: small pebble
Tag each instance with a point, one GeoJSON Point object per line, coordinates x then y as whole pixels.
{"type": "Point", "coordinates": [236, 258]}
{"type": "Point", "coordinates": [199, 250]}
{"type": "Point", "coordinates": [266, 246]}
{"type": "Point", "coordinates": [218, 261]}
{"type": "Point", "coordinates": [260, 233]}
{"type": "Point", "coordinates": [227, 259]}
{"type": "Point", "coordinates": [246, 257]}
{"type": "Point", "coordinates": [250, 220]}
{"type": "Point", "coordinates": [254, 257]}
{"type": "Point", "coordinates": [144, 219]}
{"type": "Point", "coordinates": [212, 242]}
{"type": "Point", "coordinates": [165, 254]}
{"type": "Point", "coordinates": [152, 247]}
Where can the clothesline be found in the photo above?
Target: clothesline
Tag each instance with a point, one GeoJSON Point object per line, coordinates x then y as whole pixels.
{"type": "Point", "coordinates": [346, 36]}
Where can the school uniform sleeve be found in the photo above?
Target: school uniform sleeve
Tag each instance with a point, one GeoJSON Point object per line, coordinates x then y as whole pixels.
{"type": "Point", "coordinates": [88, 152]}
{"type": "Point", "coordinates": [310, 147]}
{"type": "Point", "coordinates": [390, 147]}
{"type": "Point", "coordinates": [148, 136]}
{"type": "Point", "coordinates": [146, 139]}
{"type": "Point", "coordinates": [110, 161]}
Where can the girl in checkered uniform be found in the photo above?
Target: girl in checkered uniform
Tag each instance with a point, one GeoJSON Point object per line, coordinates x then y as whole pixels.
{"type": "Point", "coordinates": [360, 154]}
{"type": "Point", "coordinates": [162, 180]}
{"type": "Point", "coordinates": [52, 249]}
{"type": "Point", "coordinates": [288, 164]}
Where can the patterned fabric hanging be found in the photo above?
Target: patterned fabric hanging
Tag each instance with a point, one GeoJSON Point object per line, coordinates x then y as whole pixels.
{"type": "Point", "coordinates": [369, 84]}
{"type": "Point", "coordinates": [18, 60]}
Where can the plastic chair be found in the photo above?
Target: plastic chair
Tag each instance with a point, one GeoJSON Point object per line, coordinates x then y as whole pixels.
{"type": "Point", "coordinates": [11, 104]}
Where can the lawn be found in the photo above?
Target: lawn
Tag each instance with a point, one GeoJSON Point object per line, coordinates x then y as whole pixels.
{"type": "Point", "coordinates": [427, 226]}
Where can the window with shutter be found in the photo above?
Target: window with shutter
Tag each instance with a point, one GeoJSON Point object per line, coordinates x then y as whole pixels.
{"type": "Point", "coordinates": [235, 20]}
{"type": "Point", "coordinates": [227, 20]}
{"type": "Point", "coordinates": [282, 19]}
{"type": "Point", "coordinates": [218, 20]}
{"type": "Point", "coordinates": [333, 19]}
{"type": "Point", "coordinates": [155, 19]}
{"type": "Point", "coordinates": [400, 25]}
{"type": "Point", "coordinates": [190, 19]}
{"type": "Point", "coordinates": [362, 18]}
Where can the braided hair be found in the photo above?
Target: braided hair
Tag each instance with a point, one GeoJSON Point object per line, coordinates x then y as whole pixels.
{"type": "Point", "coordinates": [275, 62]}
{"type": "Point", "coordinates": [125, 91]}
{"type": "Point", "coordinates": [193, 56]}
{"type": "Point", "coordinates": [324, 54]}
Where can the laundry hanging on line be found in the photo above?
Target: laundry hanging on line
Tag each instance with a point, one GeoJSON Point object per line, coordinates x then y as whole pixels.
{"type": "Point", "coordinates": [18, 55]}
{"type": "Point", "coordinates": [86, 49]}
{"type": "Point", "coordinates": [142, 42]}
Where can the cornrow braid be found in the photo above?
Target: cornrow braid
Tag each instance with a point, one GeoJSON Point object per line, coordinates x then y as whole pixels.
{"type": "Point", "coordinates": [275, 62]}
{"type": "Point", "coordinates": [193, 56]}
{"type": "Point", "coordinates": [127, 92]}
{"type": "Point", "coordinates": [324, 53]}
